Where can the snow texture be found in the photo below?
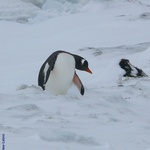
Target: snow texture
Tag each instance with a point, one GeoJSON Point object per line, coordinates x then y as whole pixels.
{"type": "Point", "coordinates": [114, 112]}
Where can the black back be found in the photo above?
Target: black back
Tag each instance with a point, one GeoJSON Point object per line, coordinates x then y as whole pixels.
{"type": "Point", "coordinates": [51, 62]}
{"type": "Point", "coordinates": [124, 64]}
{"type": "Point", "coordinates": [127, 66]}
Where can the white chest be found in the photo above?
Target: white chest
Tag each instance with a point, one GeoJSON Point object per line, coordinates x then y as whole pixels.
{"type": "Point", "coordinates": [61, 76]}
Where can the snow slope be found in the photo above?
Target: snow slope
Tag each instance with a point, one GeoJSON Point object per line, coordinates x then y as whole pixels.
{"type": "Point", "coordinates": [109, 116]}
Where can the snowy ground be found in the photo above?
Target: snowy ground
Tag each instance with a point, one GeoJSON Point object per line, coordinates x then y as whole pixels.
{"type": "Point", "coordinates": [108, 116]}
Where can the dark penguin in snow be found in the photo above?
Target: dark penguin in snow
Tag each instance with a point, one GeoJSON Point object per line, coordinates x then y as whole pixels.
{"type": "Point", "coordinates": [58, 72]}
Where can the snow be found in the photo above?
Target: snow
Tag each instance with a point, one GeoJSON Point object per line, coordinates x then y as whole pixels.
{"type": "Point", "coordinates": [114, 112]}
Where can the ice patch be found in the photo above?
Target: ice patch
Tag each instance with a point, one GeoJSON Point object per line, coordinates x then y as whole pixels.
{"type": "Point", "coordinates": [116, 99]}
{"type": "Point", "coordinates": [122, 49]}
{"type": "Point", "coordinates": [23, 131]}
{"type": "Point", "coordinates": [38, 3]}
{"type": "Point", "coordinates": [67, 137]}
{"type": "Point", "coordinates": [145, 16]}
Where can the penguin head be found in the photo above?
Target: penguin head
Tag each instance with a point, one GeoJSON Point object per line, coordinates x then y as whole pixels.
{"type": "Point", "coordinates": [82, 64]}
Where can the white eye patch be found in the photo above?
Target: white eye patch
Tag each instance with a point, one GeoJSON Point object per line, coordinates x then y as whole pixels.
{"type": "Point", "coordinates": [82, 61]}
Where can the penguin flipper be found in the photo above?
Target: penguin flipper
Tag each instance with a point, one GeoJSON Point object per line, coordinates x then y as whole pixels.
{"type": "Point", "coordinates": [41, 79]}
{"type": "Point", "coordinates": [45, 70]}
{"type": "Point", "coordinates": [78, 83]}
{"type": "Point", "coordinates": [44, 75]}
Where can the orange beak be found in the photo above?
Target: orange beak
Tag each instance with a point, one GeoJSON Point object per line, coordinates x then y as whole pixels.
{"type": "Point", "coordinates": [88, 70]}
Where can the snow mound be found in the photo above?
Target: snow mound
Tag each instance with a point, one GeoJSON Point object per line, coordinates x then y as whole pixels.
{"type": "Point", "coordinates": [28, 108]}
{"type": "Point", "coordinates": [25, 86]}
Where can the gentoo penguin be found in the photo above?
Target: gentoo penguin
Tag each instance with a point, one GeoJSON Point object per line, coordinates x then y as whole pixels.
{"type": "Point", "coordinates": [58, 72]}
